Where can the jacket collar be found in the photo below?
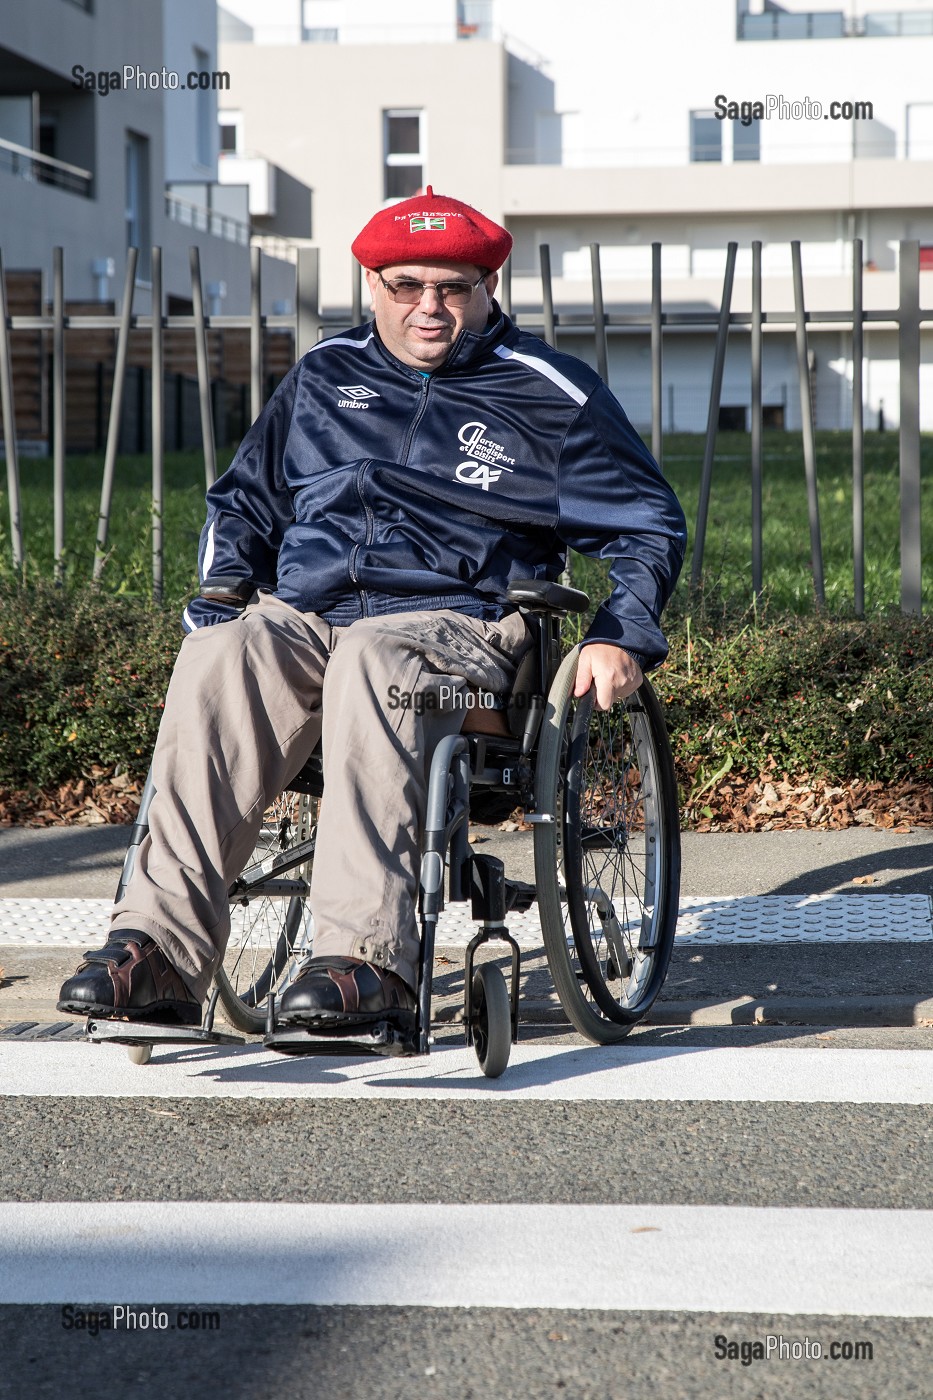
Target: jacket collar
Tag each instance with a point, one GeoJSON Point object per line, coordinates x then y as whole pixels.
{"type": "Point", "coordinates": [468, 349]}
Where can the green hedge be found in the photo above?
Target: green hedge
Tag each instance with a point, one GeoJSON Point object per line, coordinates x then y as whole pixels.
{"type": "Point", "coordinates": [83, 675]}
{"type": "Point", "coordinates": [837, 699]}
{"type": "Point", "coordinates": [82, 679]}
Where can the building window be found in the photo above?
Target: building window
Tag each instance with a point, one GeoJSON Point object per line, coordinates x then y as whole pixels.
{"type": "Point", "coordinates": [231, 133]}
{"type": "Point", "coordinates": [746, 141]}
{"type": "Point", "coordinates": [204, 113]}
{"type": "Point", "coordinates": [705, 137]}
{"type": "Point", "coordinates": [404, 145]}
{"type": "Point", "coordinates": [137, 201]}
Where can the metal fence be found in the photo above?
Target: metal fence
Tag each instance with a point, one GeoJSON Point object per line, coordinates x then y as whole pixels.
{"type": "Point", "coordinates": [308, 325]}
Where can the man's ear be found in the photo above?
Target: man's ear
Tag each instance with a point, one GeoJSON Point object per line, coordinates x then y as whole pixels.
{"type": "Point", "coordinates": [372, 282]}
{"type": "Point", "coordinates": [492, 282]}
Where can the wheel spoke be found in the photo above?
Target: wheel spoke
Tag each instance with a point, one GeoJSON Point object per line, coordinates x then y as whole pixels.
{"type": "Point", "coordinates": [268, 930]}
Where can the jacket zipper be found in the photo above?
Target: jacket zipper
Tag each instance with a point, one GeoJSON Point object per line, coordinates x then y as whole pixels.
{"type": "Point", "coordinates": [425, 385]}
{"type": "Point", "coordinates": [354, 552]}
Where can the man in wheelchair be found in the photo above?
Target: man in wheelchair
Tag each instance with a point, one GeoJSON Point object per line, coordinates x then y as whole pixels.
{"type": "Point", "coordinates": [355, 565]}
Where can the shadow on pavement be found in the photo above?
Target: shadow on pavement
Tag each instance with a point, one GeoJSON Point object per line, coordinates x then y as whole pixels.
{"type": "Point", "coordinates": [915, 861]}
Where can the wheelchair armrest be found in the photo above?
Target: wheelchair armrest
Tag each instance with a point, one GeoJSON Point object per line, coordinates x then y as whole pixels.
{"type": "Point", "coordinates": [227, 588]}
{"type": "Point", "coordinates": [538, 594]}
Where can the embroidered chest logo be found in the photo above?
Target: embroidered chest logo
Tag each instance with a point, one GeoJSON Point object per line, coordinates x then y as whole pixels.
{"type": "Point", "coordinates": [489, 458]}
{"type": "Point", "coordinates": [355, 393]}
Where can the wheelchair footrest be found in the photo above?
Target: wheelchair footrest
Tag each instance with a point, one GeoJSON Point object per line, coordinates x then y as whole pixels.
{"type": "Point", "coordinates": [113, 1032]}
{"type": "Point", "coordinates": [381, 1039]}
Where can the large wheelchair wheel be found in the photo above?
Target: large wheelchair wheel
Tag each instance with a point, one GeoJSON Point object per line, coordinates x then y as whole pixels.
{"type": "Point", "coordinates": [608, 866]}
{"type": "Point", "coordinates": [269, 912]}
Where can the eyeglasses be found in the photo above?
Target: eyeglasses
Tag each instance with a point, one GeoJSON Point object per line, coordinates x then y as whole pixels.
{"type": "Point", "coordinates": [409, 292]}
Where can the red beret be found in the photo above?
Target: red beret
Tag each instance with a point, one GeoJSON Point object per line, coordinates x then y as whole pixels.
{"type": "Point", "coordinates": [431, 228]}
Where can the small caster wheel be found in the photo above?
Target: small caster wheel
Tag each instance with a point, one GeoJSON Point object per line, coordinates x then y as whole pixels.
{"type": "Point", "coordinates": [139, 1054]}
{"type": "Point", "coordinates": [492, 1020]}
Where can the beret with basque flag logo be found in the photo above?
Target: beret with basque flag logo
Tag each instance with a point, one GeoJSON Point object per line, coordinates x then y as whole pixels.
{"type": "Point", "coordinates": [431, 228]}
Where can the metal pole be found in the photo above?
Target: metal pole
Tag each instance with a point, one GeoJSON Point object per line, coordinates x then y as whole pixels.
{"type": "Point", "coordinates": [806, 419]}
{"type": "Point", "coordinates": [657, 425]}
{"type": "Point", "coordinates": [255, 333]}
{"type": "Point", "coordinates": [858, 432]}
{"type": "Point", "coordinates": [204, 372]}
{"type": "Point", "coordinates": [116, 408]}
{"type": "Point", "coordinates": [757, 580]}
{"type": "Point", "coordinates": [158, 417]}
{"type": "Point", "coordinates": [712, 421]}
{"type": "Point", "coordinates": [9, 428]}
{"type": "Point", "coordinates": [58, 410]}
{"type": "Point", "coordinates": [356, 283]}
{"type": "Point", "coordinates": [909, 356]}
{"type": "Point", "coordinates": [599, 315]}
{"type": "Point", "coordinates": [309, 300]}
{"type": "Point", "coordinates": [547, 295]}
{"type": "Point", "coordinates": [505, 286]}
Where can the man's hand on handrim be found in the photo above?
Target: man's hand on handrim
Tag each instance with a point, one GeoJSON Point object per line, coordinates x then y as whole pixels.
{"type": "Point", "coordinates": [614, 672]}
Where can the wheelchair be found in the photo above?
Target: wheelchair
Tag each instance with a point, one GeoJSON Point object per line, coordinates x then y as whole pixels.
{"type": "Point", "coordinates": [597, 787]}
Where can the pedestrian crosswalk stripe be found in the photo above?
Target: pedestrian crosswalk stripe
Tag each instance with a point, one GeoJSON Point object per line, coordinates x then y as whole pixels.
{"type": "Point", "coordinates": [744, 1074]}
{"type": "Point", "coordinates": [670, 1258]}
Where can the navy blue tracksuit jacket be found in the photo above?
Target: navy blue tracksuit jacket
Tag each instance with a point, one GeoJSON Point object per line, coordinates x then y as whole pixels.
{"type": "Point", "coordinates": [366, 488]}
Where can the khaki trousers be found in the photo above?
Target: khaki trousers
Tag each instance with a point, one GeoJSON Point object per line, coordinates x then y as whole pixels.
{"type": "Point", "coordinates": [247, 703]}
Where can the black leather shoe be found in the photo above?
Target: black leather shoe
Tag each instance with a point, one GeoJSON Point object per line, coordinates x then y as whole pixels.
{"type": "Point", "coordinates": [346, 994]}
{"type": "Point", "coordinates": [130, 979]}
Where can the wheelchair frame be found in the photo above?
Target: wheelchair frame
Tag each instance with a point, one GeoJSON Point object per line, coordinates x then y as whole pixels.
{"type": "Point", "coordinates": [554, 727]}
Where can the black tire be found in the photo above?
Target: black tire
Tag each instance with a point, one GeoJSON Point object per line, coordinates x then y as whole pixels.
{"type": "Point", "coordinates": [608, 867]}
{"type": "Point", "coordinates": [268, 908]}
{"type": "Point", "coordinates": [492, 1020]}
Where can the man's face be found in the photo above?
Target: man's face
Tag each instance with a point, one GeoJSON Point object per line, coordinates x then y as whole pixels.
{"type": "Point", "coordinates": [421, 335]}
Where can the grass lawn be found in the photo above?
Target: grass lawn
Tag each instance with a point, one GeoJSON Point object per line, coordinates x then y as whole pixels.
{"type": "Point", "coordinates": [727, 566]}
{"type": "Point", "coordinates": [129, 561]}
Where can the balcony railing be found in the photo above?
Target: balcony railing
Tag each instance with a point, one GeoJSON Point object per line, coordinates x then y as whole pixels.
{"type": "Point", "coordinates": [833, 24]}
{"type": "Point", "coordinates": [897, 24]}
{"type": "Point", "coordinates": [44, 170]}
{"type": "Point", "coordinates": [784, 24]}
{"type": "Point", "coordinates": [197, 216]}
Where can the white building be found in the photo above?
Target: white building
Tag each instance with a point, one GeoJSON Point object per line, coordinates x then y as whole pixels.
{"type": "Point", "coordinates": [94, 162]}
{"type": "Point", "coordinates": [610, 121]}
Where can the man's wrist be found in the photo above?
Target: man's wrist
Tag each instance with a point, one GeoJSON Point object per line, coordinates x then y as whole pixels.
{"type": "Point", "coordinates": [636, 656]}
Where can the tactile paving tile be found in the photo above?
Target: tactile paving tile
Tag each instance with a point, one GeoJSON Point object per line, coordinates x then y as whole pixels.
{"type": "Point", "coordinates": [790, 918]}
{"type": "Point", "coordinates": [729, 919]}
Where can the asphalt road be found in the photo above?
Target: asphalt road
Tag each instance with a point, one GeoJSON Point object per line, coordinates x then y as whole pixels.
{"type": "Point", "coordinates": [850, 1153]}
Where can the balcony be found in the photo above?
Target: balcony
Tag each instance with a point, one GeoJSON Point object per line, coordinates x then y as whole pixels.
{"type": "Point", "coordinates": [257, 174]}
{"type": "Point", "coordinates": [45, 170]}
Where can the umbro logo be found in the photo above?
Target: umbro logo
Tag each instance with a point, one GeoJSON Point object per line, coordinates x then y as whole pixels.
{"type": "Point", "coordinates": [354, 394]}
{"type": "Point", "coordinates": [357, 391]}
